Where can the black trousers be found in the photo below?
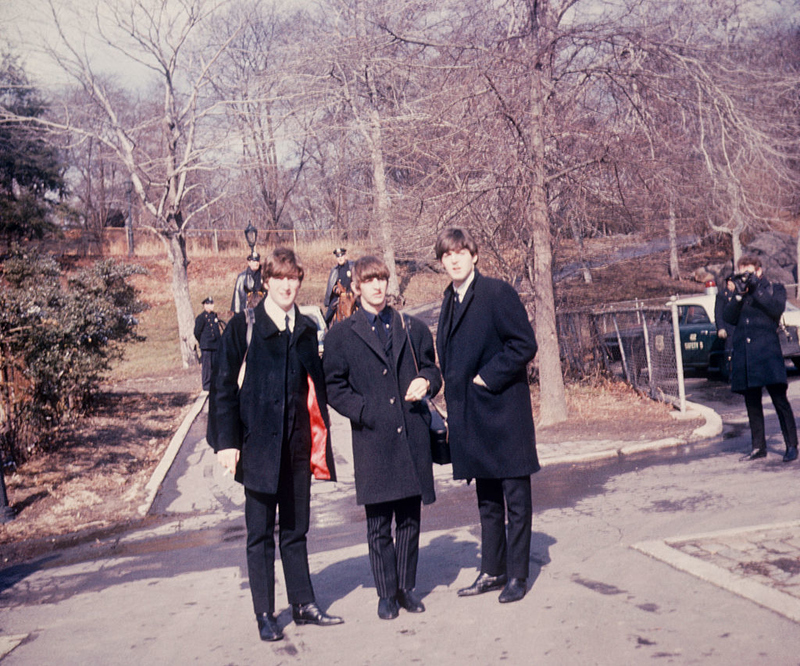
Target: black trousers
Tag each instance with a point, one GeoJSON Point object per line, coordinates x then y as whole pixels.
{"type": "Point", "coordinates": [755, 414]}
{"type": "Point", "coordinates": [505, 552]}
{"type": "Point", "coordinates": [207, 359]}
{"type": "Point", "coordinates": [294, 499]}
{"type": "Point", "coordinates": [394, 561]}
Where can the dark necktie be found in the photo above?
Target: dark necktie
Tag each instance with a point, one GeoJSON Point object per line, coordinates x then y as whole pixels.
{"type": "Point", "coordinates": [456, 309]}
{"type": "Point", "coordinates": [288, 332]}
{"type": "Point", "coordinates": [383, 335]}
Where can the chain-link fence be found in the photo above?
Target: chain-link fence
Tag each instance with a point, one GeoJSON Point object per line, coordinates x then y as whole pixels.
{"type": "Point", "coordinates": [635, 341]}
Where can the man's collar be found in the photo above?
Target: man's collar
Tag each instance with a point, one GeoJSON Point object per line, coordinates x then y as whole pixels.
{"type": "Point", "coordinates": [385, 315]}
{"type": "Point", "coordinates": [278, 314]}
{"type": "Point", "coordinates": [462, 289]}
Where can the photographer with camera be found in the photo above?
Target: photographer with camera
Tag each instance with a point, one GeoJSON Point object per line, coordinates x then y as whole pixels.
{"type": "Point", "coordinates": [757, 361]}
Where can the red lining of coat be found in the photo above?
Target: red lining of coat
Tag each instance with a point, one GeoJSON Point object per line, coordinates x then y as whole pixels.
{"type": "Point", "coordinates": [319, 437]}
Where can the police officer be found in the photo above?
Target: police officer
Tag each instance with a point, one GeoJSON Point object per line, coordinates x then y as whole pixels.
{"type": "Point", "coordinates": [248, 285]}
{"type": "Point", "coordinates": [207, 332]}
{"type": "Point", "coordinates": [339, 282]}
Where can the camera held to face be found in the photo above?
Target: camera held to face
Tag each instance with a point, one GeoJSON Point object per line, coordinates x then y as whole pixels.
{"type": "Point", "coordinates": [744, 282]}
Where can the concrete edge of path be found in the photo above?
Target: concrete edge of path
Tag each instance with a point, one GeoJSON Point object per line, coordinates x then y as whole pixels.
{"type": "Point", "coordinates": [160, 472]}
{"type": "Point", "coordinates": [768, 597]}
{"type": "Point", "coordinates": [712, 426]}
{"type": "Point", "coordinates": [8, 643]}
{"type": "Point", "coordinates": [713, 422]}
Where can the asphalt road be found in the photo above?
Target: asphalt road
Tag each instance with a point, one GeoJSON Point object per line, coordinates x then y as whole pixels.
{"type": "Point", "coordinates": [176, 591]}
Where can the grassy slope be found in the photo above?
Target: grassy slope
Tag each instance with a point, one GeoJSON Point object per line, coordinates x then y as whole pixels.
{"type": "Point", "coordinates": [214, 275]}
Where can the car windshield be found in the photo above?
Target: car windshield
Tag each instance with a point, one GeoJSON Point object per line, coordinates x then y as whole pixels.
{"type": "Point", "coordinates": [696, 314]}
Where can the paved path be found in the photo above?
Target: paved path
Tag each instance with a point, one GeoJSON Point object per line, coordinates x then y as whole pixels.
{"type": "Point", "coordinates": [687, 562]}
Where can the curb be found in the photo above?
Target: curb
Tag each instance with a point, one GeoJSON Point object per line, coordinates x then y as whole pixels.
{"type": "Point", "coordinates": [175, 443]}
{"type": "Point", "coordinates": [710, 428]}
{"type": "Point", "coordinates": [771, 598]}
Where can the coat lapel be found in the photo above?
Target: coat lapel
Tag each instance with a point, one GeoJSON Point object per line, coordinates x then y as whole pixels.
{"type": "Point", "coordinates": [362, 328]}
{"type": "Point", "coordinates": [399, 337]}
{"type": "Point", "coordinates": [456, 318]}
{"type": "Point", "coordinates": [263, 325]}
{"type": "Point", "coordinates": [301, 323]}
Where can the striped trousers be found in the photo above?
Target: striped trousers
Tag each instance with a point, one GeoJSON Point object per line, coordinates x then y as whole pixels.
{"type": "Point", "coordinates": [394, 561]}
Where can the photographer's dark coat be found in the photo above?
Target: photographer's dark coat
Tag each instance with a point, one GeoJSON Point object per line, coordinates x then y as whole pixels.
{"type": "Point", "coordinates": [252, 419]}
{"type": "Point", "coordinates": [491, 429]}
{"type": "Point", "coordinates": [757, 358]}
{"type": "Point", "coordinates": [391, 440]}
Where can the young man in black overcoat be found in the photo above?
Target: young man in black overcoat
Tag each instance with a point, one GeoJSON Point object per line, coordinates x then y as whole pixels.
{"type": "Point", "coordinates": [271, 434]}
{"type": "Point", "coordinates": [485, 343]}
{"type": "Point", "coordinates": [377, 380]}
{"type": "Point", "coordinates": [757, 360]}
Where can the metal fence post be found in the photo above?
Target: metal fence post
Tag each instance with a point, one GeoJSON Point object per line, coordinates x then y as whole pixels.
{"type": "Point", "coordinates": [676, 332]}
{"type": "Point", "coordinates": [622, 354]}
{"type": "Point", "coordinates": [650, 383]}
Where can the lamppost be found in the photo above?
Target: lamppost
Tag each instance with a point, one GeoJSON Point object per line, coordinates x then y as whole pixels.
{"type": "Point", "coordinates": [251, 236]}
{"type": "Point", "coordinates": [129, 221]}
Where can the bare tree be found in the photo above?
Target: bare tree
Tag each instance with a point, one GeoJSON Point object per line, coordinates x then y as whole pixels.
{"type": "Point", "coordinates": [256, 76]}
{"type": "Point", "coordinates": [155, 36]}
{"type": "Point", "coordinates": [570, 103]}
{"type": "Point", "coordinates": [370, 84]}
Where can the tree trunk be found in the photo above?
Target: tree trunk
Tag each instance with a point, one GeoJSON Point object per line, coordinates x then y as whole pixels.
{"type": "Point", "coordinates": [553, 400]}
{"type": "Point", "coordinates": [182, 298]}
{"type": "Point", "coordinates": [576, 236]}
{"type": "Point", "coordinates": [674, 268]}
{"type": "Point", "coordinates": [382, 201]}
{"type": "Point", "coordinates": [736, 245]}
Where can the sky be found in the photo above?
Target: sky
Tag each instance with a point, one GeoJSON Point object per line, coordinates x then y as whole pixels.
{"type": "Point", "coordinates": [27, 25]}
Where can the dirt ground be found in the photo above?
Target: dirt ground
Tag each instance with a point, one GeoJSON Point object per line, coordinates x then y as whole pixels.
{"type": "Point", "coordinates": [95, 480]}
{"type": "Point", "coordinates": [94, 483]}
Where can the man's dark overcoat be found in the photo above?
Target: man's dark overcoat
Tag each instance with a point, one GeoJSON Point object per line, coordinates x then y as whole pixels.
{"type": "Point", "coordinates": [757, 359]}
{"type": "Point", "coordinates": [491, 429]}
{"type": "Point", "coordinates": [252, 419]}
{"type": "Point", "coordinates": [391, 440]}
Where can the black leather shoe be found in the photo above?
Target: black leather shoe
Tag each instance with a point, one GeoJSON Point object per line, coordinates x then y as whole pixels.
{"type": "Point", "coordinates": [515, 589]}
{"type": "Point", "coordinates": [268, 627]}
{"type": "Point", "coordinates": [388, 608]}
{"type": "Point", "coordinates": [410, 601]}
{"type": "Point", "coordinates": [791, 454]}
{"type": "Point", "coordinates": [483, 583]}
{"type": "Point", "coordinates": [311, 614]}
{"type": "Point", "coordinates": [755, 454]}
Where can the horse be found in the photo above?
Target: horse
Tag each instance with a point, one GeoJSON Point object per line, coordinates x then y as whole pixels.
{"type": "Point", "coordinates": [346, 305]}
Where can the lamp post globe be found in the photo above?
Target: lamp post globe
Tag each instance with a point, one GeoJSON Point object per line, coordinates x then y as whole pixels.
{"type": "Point", "coordinates": [251, 235]}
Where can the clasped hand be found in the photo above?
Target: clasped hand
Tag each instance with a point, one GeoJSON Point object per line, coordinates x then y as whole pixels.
{"type": "Point", "coordinates": [417, 389]}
